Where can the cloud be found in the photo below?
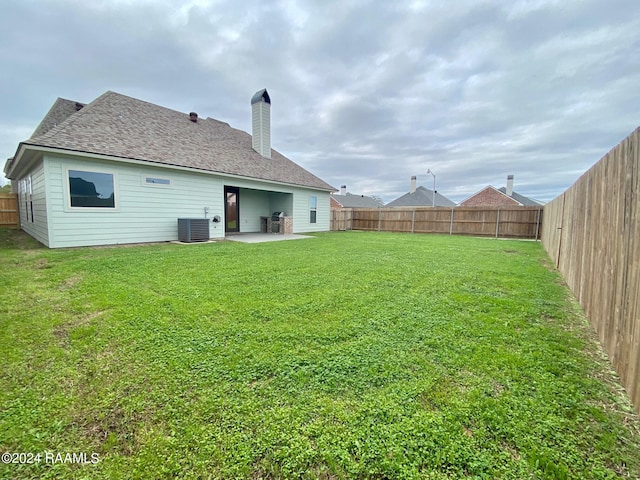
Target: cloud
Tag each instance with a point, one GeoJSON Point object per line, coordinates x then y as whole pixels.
{"type": "Point", "coordinates": [364, 93]}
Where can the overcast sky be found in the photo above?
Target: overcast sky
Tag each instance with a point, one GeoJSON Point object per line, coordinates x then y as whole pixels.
{"type": "Point", "coordinates": [364, 93]}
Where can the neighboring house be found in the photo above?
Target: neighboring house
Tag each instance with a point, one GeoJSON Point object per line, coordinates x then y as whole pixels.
{"type": "Point", "coordinates": [421, 197]}
{"type": "Point", "coordinates": [499, 197]}
{"type": "Point", "coordinates": [121, 170]}
{"type": "Point", "coordinates": [349, 200]}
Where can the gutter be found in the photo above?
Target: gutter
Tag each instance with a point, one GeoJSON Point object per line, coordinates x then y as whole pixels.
{"type": "Point", "coordinates": [136, 161]}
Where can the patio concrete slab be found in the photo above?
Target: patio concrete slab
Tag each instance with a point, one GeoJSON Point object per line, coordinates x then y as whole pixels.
{"type": "Point", "coordinates": [264, 237]}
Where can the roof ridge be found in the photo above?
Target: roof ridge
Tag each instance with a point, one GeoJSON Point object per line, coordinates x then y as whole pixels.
{"type": "Point", "coordinates": [50, 119]}
{"type": "Point", "coordinates": [70, 120]}
{"type": "Point", "coordinates": [155, 105]}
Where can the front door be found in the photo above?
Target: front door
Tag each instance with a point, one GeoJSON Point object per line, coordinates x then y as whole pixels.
{"type": "Point", "coordinates": [232, 211]}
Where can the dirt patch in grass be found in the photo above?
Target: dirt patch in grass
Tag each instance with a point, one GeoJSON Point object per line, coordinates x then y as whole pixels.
{"type": "Point", "coordinates": [41, 264]}
{"type": "Point", "coordinates": [62, 332]}
{"type": "Point", "coordinates": [13, 239]}
{"type": "Point", "coordinates": [513, 451]}
{"type": "Point", "coordinates": [70, 282]}
{"type": "Point", "coordinates": [112, 430]}
{"type": "Point", "coordinates": [547, 263]}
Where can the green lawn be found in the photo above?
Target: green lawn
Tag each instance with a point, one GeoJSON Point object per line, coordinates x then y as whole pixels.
{"type": "Point", "coordinates": [351, 355]}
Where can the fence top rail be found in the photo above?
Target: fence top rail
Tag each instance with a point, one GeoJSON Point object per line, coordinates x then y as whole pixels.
{"type": "Point", "coordinates": [444, 209]}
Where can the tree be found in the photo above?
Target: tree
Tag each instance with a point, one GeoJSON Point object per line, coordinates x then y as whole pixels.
{"type": "Point", "coordinates": [6, 188]}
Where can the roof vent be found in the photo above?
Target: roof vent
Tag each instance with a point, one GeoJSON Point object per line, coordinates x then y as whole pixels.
{"type": "Point", "coordinates": [79, 106]}
{"type": "Point", "coordinates": [193, 116]}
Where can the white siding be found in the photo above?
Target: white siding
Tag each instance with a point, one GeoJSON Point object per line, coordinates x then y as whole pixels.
{"type": "Point", "coordinates": [35, 225]}
{"type": "Point", "coordinates": [261, 128]}
{"type": "Point", "coordinates": [144, 213]}
{"type": "Point", "coordinates": [149, 213]}
{"type": "Point", "coordinates": [253, 205]}
{"type": "Point", "coordinates": [301, 217]}
{"type": "Point", "coordinates": [281, 203]}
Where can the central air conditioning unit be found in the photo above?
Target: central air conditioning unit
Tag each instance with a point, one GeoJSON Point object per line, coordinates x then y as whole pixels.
{"type": "Point", "coordinates": [193, 230]}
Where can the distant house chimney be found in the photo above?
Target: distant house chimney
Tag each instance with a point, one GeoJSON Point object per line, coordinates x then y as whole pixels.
{"type": "Point", "coordinates": [413, 184]}
{"type": "Point", "coordinates": [509, 185]}
{"type": "Point", "coordinates": [261, 122]}
{"type": "Point", "coordinates": [193, 116]}
{"type": "Point", "coordinates": [343, 190]}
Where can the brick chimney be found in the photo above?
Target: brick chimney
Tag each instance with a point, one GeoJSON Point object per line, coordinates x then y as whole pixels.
{"type": "Point", "coordinates": [509, 185]}
{"type": "Point", "coordinates": [261, 122]}
{"type": "Point", "coordinates": [413, 184]}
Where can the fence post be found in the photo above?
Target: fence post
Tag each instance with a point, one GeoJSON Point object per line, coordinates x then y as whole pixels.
{"type": "Point", "coordinates": [379, 218]}
{"type": "Point", "coordinates": [413, 219]}
{"type": "Point", "coordinates": [451, 223]}
{"type": "Point", "coordinates": [497, 223]}
{"type": "Point", "coordinates": [538, 225]}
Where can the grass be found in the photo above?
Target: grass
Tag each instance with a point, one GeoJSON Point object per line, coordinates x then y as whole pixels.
{"type": "Point", "coordinates": [352, 355]}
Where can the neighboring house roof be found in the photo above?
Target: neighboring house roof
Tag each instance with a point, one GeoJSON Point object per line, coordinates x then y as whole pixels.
{"type": "Point", "coordinates": [351, 200]}
{"type": "Point", "coordinates": [120, 126]}
{"type": "Point", "coordinates": [422, 197]}
{"type": "Point", "coordinates": [526, 201]}
{"type": "Point", "coordinates": [490, 196]}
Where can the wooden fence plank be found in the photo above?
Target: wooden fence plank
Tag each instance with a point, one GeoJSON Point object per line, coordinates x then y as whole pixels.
{"type": "Point", "coordinates": [514, 222]}
{"type": "Point", "coordinates": [9, 217]}
{"type": "Point", "coordinates": [592, 232]}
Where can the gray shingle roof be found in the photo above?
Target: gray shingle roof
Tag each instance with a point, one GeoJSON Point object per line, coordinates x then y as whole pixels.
{"type": "Point", "coordinates": [422, 197]}
{"type": "Point", "coordinates": [351, 200]}
{"type": "Point", "coordinates": [121, 126]}
{"type": "Point", "coordinates": [58, 113]}
{"type": "Point", "coordinates": [526, 201]}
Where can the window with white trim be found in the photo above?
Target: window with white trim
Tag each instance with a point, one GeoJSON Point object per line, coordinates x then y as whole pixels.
{"type": "Point", "coordinates": [313, 209]}
{"type": "Point", "coordinates": [91, 189]}
{"type": "Point", "coordinates": [156, 181]}
{"type": "Point", "coordinates": [29, 198]}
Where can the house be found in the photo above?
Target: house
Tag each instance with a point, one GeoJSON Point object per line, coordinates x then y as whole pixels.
{"type": "Point", "coordinates": [499, 197]}
{"type": "Point", "coordinates": [421, 197]}
{"type": "Point", "coordinates": [122, 170]}
{"type": "Point", "coordinates": [349, 200]}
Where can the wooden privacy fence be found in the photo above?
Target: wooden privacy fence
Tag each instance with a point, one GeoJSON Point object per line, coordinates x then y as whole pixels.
{"type": "Point", "coordinates": [341, 219]}
{"type": "Point", "coordinates": [592, 232]}
{"type": "Point", "coordinates": [510, 222]}
{"type": "Point", "coordinates": [9, 210]}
